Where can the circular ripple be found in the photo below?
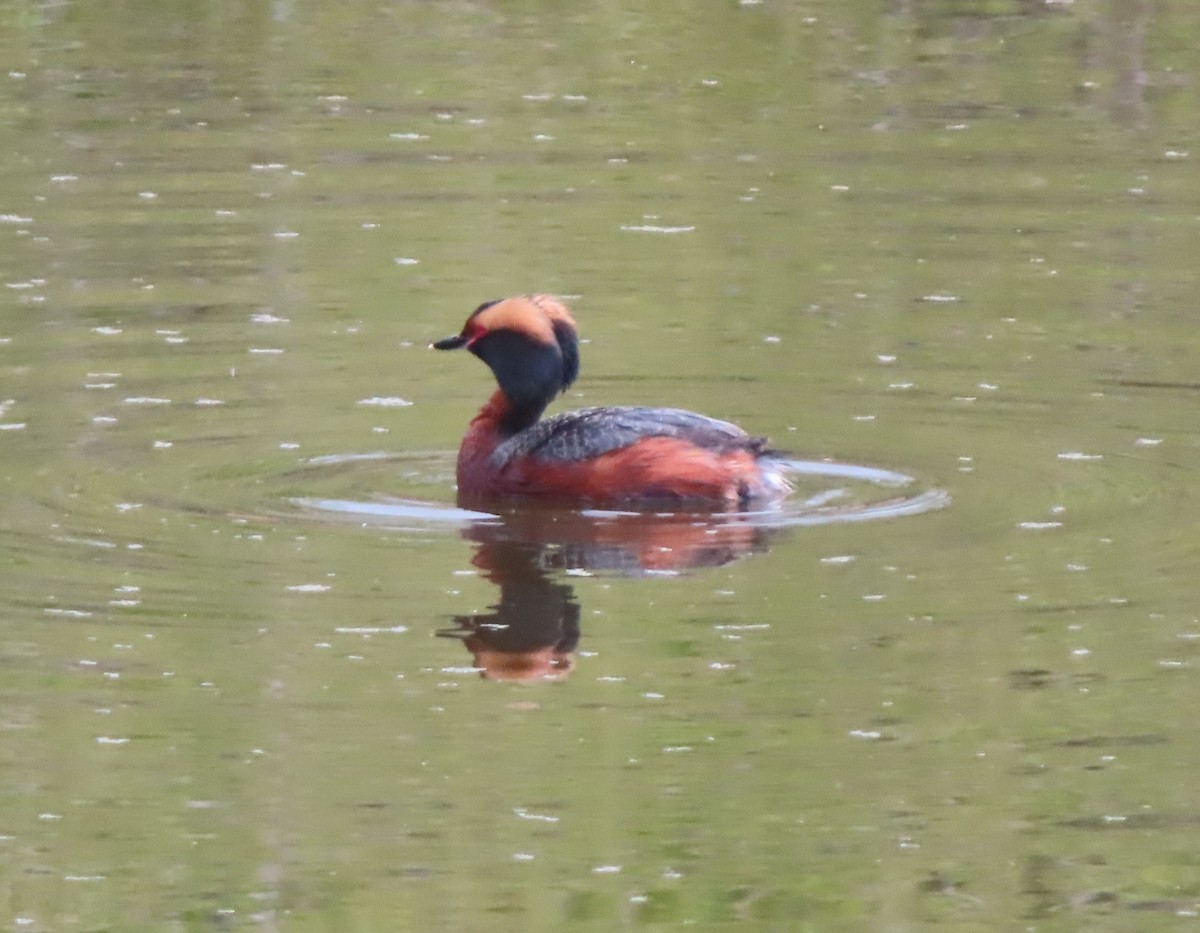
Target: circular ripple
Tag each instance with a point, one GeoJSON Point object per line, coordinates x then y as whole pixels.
{"type": "Point", "coordinates": [826, 493]}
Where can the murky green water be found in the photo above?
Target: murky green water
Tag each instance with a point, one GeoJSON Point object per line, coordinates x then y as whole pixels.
{"type": "Point", "coordinates": [955, 240]}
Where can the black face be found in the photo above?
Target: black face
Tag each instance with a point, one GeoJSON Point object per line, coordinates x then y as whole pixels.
{"type": "Point", "coordinates": [529, 371]}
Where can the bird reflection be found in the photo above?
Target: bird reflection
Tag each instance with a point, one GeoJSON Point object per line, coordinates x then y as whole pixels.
{"type": "Point", "coordinates": [532, 633]}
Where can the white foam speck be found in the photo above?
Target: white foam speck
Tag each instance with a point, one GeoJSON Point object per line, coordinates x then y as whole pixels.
{"type": "Point", "coordinates": [657, 228]}
{"type": "Point", "coordinates": [386, 401]}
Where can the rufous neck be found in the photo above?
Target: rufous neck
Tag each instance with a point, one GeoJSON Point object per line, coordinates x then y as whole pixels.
{"type": "Point", "coordinates": [506, 418]}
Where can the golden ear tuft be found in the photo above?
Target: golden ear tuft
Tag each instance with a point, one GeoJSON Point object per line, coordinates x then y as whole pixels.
{"type": "Point", "coordinates": [535, 316]}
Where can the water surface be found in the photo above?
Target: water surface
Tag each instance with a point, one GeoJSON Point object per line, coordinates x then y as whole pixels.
{"type": "Point", "coordinates": [952, 241]}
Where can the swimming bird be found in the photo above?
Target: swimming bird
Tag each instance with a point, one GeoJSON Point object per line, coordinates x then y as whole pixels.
{"type": "Point", "coordinates": [604, 456]}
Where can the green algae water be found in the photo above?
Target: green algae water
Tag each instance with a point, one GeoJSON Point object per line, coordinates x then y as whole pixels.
{"type": "Point", "coordinates": [247, 683]}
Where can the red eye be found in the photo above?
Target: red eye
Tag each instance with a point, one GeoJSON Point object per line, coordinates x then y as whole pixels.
{"type": "Point", "coordinates": [473, 331]}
